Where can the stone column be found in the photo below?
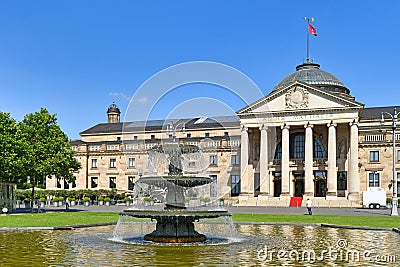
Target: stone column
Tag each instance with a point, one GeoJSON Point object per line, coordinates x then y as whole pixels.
{"type": "Point", "coordinates": [244, 160]}
{"type": "Point", "coordinates": [332, 173]}
{"type": "Point", "coordinates": [285, 161]}
{"type": "Point", "coordinates": [308, 162]}
{"type": "Point", "coordinates": [264, 179]}
{"type": "Point", "coordinates": [354, 176]}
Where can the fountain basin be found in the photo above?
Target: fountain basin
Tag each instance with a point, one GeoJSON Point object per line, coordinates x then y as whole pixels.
{"type": "Point", "coordinates": [175, 226]}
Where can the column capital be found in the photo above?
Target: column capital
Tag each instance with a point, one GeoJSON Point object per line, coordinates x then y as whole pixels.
{"type": "Point", "coordinates": [331, 124]}
{"type": "Point", "coordinates": [354, 123]}
{"type": "Point", "coordinates": [308, 125]}
{"type": "Point", "coordinates": [243, 128]}
{"type": "Point", "coordinates": [263, 127]}
{"type": "Point", "coordinates": [285, 126]}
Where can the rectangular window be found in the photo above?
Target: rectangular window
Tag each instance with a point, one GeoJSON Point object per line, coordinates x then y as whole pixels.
{"type": "Point", "coordinates": [131, 183]}
{"type": "Point", "coordinates": [94, 163]}
{"type": "Point", "coordinates": [135, 137]}
{"type": "Point", "coordinates": [213, 186]}
{"type": "Point", "coordinates": [234, 160]}
{"type": "Point", "coordinates": [374, 156]}
{"type": "Point", "coordinates": [373, 179]}
{"type": "Point", "coordinates": [207, 134]}
{"type": "Point", "coordinates": [113, 182]}
{"type": "Point", "coordinates": [132, 163]}
{"type": "Point", "coordinates": [235, 185]}
{"type": "Point", "coordinates": [398, 155]}
{"type": "Point", "coordinates": [58, 183]}
{"type": "Point", "coordinates": [73, 184]}
{"type": "Point", "coordinates": [113, 163]}
{"type": "Point", "coordinates": [93, 182]}
{"type": "Point", "coordinates": [153, 136]}
{"type": "Point", "coordinates": [213, 160]}
{"type": "Point", "coordinates": [66, 185]}
{"type": "Point", "coordinates": [188, 135]}
{"type": "Point", "coordinates": [192, 163]}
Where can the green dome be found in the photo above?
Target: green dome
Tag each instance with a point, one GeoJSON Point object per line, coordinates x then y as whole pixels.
{"type": "Point", "coordinates": [310, 73]}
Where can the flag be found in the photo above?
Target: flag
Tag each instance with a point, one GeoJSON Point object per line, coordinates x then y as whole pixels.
{"type": "Point", "coordinates": [312, 30]}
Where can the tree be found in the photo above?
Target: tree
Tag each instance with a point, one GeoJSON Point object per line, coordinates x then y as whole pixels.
{"type": "Point", "coordinates": [10, 150]}
{"type": "Point", "coordinates": [46, 150]}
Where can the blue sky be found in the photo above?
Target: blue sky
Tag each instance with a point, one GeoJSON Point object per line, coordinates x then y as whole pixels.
{"type": "Point", "coordinates": [76, 57]}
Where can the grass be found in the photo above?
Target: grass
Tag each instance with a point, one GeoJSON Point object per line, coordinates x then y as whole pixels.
{"type": "Point", "coordinates": [57, 219]}
{"type": "Point", "coordinates": [77, 218]}
{"type": "Point", "coordinates": [371, 221]}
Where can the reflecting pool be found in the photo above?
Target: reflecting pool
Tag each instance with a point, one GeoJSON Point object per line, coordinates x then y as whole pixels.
{"type": "Point", "coordinates": [255, 245]}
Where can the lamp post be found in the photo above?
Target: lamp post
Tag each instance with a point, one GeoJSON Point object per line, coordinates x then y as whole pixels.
{"type": "Point", "coordinates": [394, 117]}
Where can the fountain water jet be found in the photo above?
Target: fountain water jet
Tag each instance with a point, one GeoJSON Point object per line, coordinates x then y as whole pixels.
{"type": "Point", "coordinates": [175, 223]}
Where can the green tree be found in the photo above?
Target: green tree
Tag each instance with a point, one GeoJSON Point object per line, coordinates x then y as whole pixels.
{"type": "Point", "coordinates": [46, 150]}
{"type": "Point", "coordinates": [10, 149]}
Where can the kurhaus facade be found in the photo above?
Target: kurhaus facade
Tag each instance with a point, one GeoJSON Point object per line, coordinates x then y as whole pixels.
{"type": "Point", "coordinates": [308, 137]}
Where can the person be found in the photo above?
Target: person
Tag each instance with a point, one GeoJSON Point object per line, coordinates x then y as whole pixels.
{"type": "Point", "coordinates": [67, 204]}
{"type": "Point", "coordinates": [309, 205]}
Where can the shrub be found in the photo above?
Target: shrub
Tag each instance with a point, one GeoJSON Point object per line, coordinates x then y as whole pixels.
{"type": "Point", "coordinates": [27, 200]}
{"type": "Point", "coordinates": [127, 199]}
{"type": "Point", "coordinates": [42, 199]}
{"type": "Point", "coordinates": [148, 199]}
{"type": "Point", "coordinates": [86, 199]}
{"type": "Point", "coordinates": [100, 198]}
{"type": "Point", "coordinates": [71, 199]}
{"type": "Point", "coordinates": [107, 199]}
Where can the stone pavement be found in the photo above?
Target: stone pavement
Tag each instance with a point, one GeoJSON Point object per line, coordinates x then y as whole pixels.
{"type": "Point", "coordinates": [250, 210]}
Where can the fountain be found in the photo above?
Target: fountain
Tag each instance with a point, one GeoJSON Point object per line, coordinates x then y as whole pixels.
{"type": "Point", "coordinates": [175, 223]}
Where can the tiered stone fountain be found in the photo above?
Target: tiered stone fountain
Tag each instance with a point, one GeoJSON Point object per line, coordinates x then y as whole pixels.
{"type": "Point", "coordinates": [175, 223]}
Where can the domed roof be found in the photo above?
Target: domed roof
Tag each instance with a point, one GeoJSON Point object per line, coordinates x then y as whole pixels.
{"type": "Point", "coordinates": [113, 108]}
{"type": "Point", "coordinates": [310, 73]}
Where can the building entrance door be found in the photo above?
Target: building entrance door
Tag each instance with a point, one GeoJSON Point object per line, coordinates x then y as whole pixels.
{"type": "Point", "coordinates": [320, 184]}
{"type": "Point", "coordinates": [298, 184]}
{"type": "Point", "coordinates": [277, 184]}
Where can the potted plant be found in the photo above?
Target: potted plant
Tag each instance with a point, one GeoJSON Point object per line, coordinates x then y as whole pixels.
{"type": "Point", "coordinates": [107, 200]}
{"type": "Point", "coordinates": [101, 200]}
{"type": "Point", "coordinates": [127, 201]}
{"type": "Point", "coordinates": [148, 201]}
{"type": "Point", "coordinates": [27, 201]}
{"type": "Point", "coordinates": [55, 201]}
{"type": "Point", "coordinates": [60, 201]}
{"type": "Point", "coordinates": [71, 201]}
{"type": "Point", "coordinates": [221, 201]}
{"type": "Point", "coordinates": [86, 200]}
{"type": "Point", "coordinates": [42, 201]}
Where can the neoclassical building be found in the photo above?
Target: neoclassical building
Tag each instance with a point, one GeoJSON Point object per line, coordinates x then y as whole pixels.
{"type": "Point", "coordinates": [308, 137]}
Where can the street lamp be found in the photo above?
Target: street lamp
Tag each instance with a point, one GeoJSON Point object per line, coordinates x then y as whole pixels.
{"type": "Point", "coordinates": [394, 126]}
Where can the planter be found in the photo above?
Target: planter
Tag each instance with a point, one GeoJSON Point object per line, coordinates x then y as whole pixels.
{"type": "Point", "coordinates": [73, 203]}
{"type": "Point", "coordinates": [42, 204]}
{"type": "Point", "coordinates": [27, 205]}
{"type": "Point", "coordinates": [220, 202]}
{"type": "Point", "coordinates": [101, 202]}
{"type": "Point", "coordinates": [127, 203]}
{"type": "Point", "coordinates": [107, 203]}
{"type": "Point", "coordinates": [55, 204]}
{"type": "Point", "coordinates": [87, 203]}
{"type": "Point", "coordinates": [60, 203]}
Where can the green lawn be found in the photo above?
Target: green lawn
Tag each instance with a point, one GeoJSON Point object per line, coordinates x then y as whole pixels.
{"type": "Point", "coordinates": [76, 218]}
{"type": "Point", "coordinates": [372, 221]}
{"type": "Point", "coordinates": [57, 219]}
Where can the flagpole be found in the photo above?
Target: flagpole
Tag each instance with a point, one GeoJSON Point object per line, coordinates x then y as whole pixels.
{"type": "Point", "coordinates": [308, 38]}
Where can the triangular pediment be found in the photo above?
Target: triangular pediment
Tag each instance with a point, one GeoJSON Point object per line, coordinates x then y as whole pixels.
{"type": "Point", "coordinates": [299, 97]}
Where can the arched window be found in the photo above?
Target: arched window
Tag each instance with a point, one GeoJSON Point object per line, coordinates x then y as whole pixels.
{"type": "Point", "coordinates": [297, 146]}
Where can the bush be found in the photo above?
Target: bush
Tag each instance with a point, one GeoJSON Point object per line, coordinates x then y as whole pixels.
{"type": "Point", "coordinates": [27, 200]}
{"type": "Point", "coordinates": [100, 198]}
{"type": "Point", "coordinates": [127, 199]}
{"type": "Point", "coordinates": [388, 200]}
{"type": "Point", "coordinates": [148, 199]}
{"type": "Point", "coordinates": [42, 199]}
{"type": "Point", "coordinates": [107, 199]}
{"type": "Point", "coordinates": [71, 199]}
{"type": "Point", "coordinates": [86, 199]}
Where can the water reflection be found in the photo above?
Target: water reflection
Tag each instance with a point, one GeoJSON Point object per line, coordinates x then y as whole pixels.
{"type": "Point", "coordinates": [92, 247]}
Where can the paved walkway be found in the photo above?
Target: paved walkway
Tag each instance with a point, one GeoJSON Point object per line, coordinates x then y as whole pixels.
{"type": "Point", "coordinates": [254, 210]}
